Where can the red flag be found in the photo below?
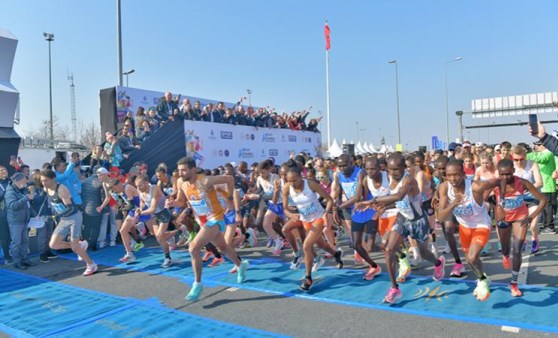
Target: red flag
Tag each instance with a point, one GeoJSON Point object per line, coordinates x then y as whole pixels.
{"type": "Point", "coordinates": [328, 41]}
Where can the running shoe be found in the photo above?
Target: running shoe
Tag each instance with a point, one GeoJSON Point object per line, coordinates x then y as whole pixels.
{"type": "Point", "coordinates": [278, 246]}
{"type": "Point", "coordinates": [338, 261]}
{"type": "Point", "coordinates": [286, 245]}
{"type": "Point", "coordinates": [216, 261]}
{"type": "Point", "coordinates": [306, 285]}
{"type": "Point", "coordinates": [440, 270]}
{"type": "Point", "coordinates": [416, 263]}
{"type": "Point", "coordinates": [515, 292]}
{"type": "Point", "coordinates": [393, 295]}
{"type": "Point", "coordinates": [172, 243]}
{"type": "Point", "coordinates": [253, 240]}
{"type": "Point", "coordinates": [482, 291]}
{"type": "Point", "coordinates": [142, 230]}
{"type": "Point", "coordinates": [90, 270]}
{"type": "Point", "coordinates": [195, 292]}
{"type": "Point", "coordinates": [358, 259]}
{"type": "Point", "coordinates": [241, 276]}
{"type": "Point", "coordinates": [138, 246]}
{"type": "Point", "coordinates": [44, 259]}
{"type": "Point", "coordinates": [207, 256]}
{"type": "Point", "coordinates": [404, 269]}
{"type": "Point", "coordinates": [457, 271]}
{"type": "Point", "coordinates": [506, 262]}
{"type": "Point", "coordinates": [234, 269]}
{"type": "Point", "coordinates": [166, 263]}
{"type": "Point", "coordinates": [372, 272]}
{"type": "Point", "coordinates": [446, 249]}
{"type": "Point", "coordinates": [112, 243]}
{"type": "Point", "coordinates": [269, 243]}
{"type": "Point", "coordinates": [128, 258]}
{"type": "Point", "coordinates": [182, 240]}
{"type": "Point", "coordinates": [84, 245]}
{"type": "Point", "coordinates": [295, 264]}
{"type": "Point", "coordinates": [535, 246]}
{"type": "Point", "coordinates": [318, 262]}
{"type": "Point", "coordinates": [486, 250]}
{"type": "Point", "coordinates": [101, 245]}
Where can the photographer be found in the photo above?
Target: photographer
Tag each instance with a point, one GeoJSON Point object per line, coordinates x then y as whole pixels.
{"type": "Point", "coordinates": [548, 141]}
{"type": "Point", "coordinates": [18, 203]}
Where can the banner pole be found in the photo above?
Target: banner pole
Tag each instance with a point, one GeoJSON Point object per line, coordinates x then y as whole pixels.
{"type": "Point", "coordinates": [327, 103]}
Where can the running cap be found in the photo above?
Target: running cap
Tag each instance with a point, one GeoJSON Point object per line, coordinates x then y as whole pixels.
{"type": "Point", "coordinates": [102, 171]}
{"type": "Point", "coordinates": [453, 145]}
{"type": "Point", "coordinates": [466, 144]}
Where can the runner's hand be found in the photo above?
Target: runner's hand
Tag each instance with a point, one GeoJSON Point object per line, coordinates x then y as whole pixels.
{"type": "Point", "coordinates": [526, 222]}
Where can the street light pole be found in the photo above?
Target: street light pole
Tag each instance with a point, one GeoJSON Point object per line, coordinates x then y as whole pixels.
{"type": "Point", "coordinates": [357, 130]}
{"type": "Point", "coordinates": [128, 73]}
{"type": "Point", "coordinates": [397, 98]}
{"type": "Point", "coordinates": [50, 37]}
{"type": "Point", "coordinates": [249, 97]}
{"type": "Point", "coordinates": [459, 58]}
{"type": "Point", "coordinates": [119, 40]}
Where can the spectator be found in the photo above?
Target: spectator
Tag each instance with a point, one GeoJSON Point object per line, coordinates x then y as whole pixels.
{"type": "Point", "coordinates": [19, 212]}
{"type": "Point", "coordinates": [218, 113]}
{"type": "Point", "coordinates": [112, 150]}
{"type": "Point", "coordinates": [152, 118]}
{"type": "Point", "coordinates": [66, 176]}
{"type": "Point", "coordinates": [42, 208]}
{"type": "Point", "coordinates": [98, 158]}
{"type": "Point", "coordinates": [126, 143]}
{"type": "Point", "coordinates": [92, 194]}
{"type": "Point", "coordinates": [166, 107]}
{"type": "Point", "coordinates": [5, 238]}
{"type": "Point", "coordinates": [143, 132]}
{"type": "Point", "coordinates": [197, 111]}
{"type": "Point", "coordinates": [547, 166]}
{"type": "Point", "coordinates": [550, 142]}
{"type": "Point", "coordinates": [140, 116]}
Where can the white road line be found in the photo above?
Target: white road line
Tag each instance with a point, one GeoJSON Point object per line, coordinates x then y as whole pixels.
{"type": "Point", "coordinates": [231, 289]}
{"type": "Point", "coordinates": [511, 329]}
{"type": "Point", "coordinates": [522, 278]}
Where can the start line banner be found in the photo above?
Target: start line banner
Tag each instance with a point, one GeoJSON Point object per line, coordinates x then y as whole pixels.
{"type": "Point", "coordinates": [214, 144]}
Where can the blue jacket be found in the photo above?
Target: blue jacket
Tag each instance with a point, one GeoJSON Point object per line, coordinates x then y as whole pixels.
{"type": "Point", "coordinates": [18, 205]}
{"type": "Point", "coordinates": [70, 180]}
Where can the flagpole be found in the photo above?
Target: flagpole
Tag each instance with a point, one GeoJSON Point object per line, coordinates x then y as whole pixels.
{"type": "Point", "coordinates": [327, 103]}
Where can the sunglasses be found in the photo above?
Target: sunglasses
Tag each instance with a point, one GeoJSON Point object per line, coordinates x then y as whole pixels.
{"type": "Point", "coordinates": [320, 178]}
{"type": "Point", "coordinates": [519, 159]}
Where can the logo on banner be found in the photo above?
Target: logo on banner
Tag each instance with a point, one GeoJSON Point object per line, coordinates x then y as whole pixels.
{"type": "Point", "coordinates": [245, 153]}
{"type": "Point", "coordinates": [292, 138]}
{"type": "Point", "coordinates": [226, 135]}
{"type": "Point", "coordinates": [268, 137]}
{"type": "Point", "coordinates": [273, 152]}
{"type": "Point", "coordinates": [212, 135]}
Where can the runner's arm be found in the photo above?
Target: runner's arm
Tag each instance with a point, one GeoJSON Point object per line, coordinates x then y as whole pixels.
{"type": "Point", "coordinates": [538, 195]}
{"type": "Point", "coordinates": [317, 188]}
{"type": "Point", "coordinates": [358, 195]}
{"type": "Point", "coordinates": [445, 209]}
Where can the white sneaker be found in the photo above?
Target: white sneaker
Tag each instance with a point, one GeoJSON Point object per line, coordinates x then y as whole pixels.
{"type": "Point", "coordinates": [166, 263]}
{"type": "Point", "coordinates": [112, 243]}
{"type": "Point", "coordinates": [447, 249]}
{"type": "Point", "coordinates": [84, 245]}
{"type": "Point", "coordinates": [278, 246]}
{"type": "Point", "coordinates": [101, 245]}
{"type": "Point", "coordinates": [253, 240]}
{"type": "Point", "coordinates": [91, 269]}
{"type": "Point", "coordinates": [318, 262]}
{"type": "Point", "coordinates": [295, 264]}
{"type": "Point", "coordinates": [132, 243]}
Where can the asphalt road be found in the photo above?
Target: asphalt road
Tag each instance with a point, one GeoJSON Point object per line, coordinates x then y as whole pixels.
{"type": "Point", "coordinates": [295, 316]}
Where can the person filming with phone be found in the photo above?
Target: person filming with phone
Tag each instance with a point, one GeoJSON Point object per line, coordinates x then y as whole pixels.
{"type": "Point", "coordinates": [548, 141]}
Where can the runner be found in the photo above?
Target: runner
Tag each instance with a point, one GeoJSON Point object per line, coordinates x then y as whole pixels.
{"type": "Point", "coordinates": [450, 225]}
{"type": "Point", "coordinates": [69, 223]}
{"type": "Point", "coordinates": [266, 186]}
{"type": "Point", "coordinates": [152, 197]}
{"type": "Point", "coordinates": [127, 199]}
{"type": "Point", "coordinates": [346, 190]}
{"type": "Point", "coordinates": [464, 198]}
{"type": "Point", "coordinates": [310, 212]}
{"type": "Point", "coordinates": [515, 219]}
{"type": "Point", "coordinates": [198, 189]}
{"type": "Point", "coordinates": [411, 221]}
{"type": "Point", "coordinates": [529, 171]}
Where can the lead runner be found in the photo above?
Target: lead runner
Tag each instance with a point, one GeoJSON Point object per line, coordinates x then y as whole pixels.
{"type": "Point", "coordinates": [199, 191]}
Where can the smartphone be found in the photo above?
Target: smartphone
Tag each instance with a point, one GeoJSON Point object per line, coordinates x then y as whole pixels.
{"type": "Point", "coordinates": [534, 123]}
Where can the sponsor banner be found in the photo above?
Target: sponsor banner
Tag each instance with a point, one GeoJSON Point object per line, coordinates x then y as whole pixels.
{"type": "Point", "coordinates": [214, 144]}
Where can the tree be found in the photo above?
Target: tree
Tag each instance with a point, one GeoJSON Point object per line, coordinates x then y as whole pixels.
{"type": "Point", "coordinates": [61, 132]}
{"type": "Point", "coordinates": [89, 135]}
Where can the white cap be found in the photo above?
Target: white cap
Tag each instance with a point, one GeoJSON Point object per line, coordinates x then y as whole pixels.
{"type": "Point", "coordinates": [102, 170]}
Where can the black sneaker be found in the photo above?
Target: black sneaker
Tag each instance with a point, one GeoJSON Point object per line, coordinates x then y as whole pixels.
{"type": "Point", "coordinates": [51, 254]}
{"type": "Point", "coordinates": [28, 263]}
{"type": "Point", "coordinates": [9, 261]}
{"type": "Point", "coordinates": [338, 260]}
{"type": "Point", "coordinates": [20, 266]}
{"type": "Point", "coordinates": [306, 285]}
{"type": "Point", "coordinates": [44, 259]}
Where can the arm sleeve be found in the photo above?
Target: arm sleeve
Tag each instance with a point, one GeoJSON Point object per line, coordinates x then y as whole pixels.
{"type": "Point", "coordinates": [540, 157]}
{"type": "Point", "coordinates": [66, 174]}
{"type": "Point", "coordinates": [551, 143]}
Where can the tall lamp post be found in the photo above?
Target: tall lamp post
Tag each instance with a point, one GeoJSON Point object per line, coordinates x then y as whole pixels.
{"type": "Point", "coordinates": [249, 97]}
{"type": "Point", "coordinates": [397, 98]}
{"type": "Point", "coordinates": [128, 73]}
{"type": "Point", "coordinates": [459, 58]}
{"type": "Point", "coordinates": [50, 37]}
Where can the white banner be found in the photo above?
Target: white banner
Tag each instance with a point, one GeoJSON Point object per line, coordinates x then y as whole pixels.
{"type": "Point", "coordinates": [214, 144]}
{"type": "Point", "coordinates": [128, 100]}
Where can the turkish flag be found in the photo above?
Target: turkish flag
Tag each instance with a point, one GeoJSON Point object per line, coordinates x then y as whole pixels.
{"type": "Point", "coordinates": [327, 39]}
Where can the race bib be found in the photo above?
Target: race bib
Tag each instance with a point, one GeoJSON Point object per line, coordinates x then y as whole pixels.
{"type": "Point", "coordinates": [513, 202]}
{"type": "Point", "coordinates": [462, 211]}
{"type": "Point", "coordinates": [308, 209]}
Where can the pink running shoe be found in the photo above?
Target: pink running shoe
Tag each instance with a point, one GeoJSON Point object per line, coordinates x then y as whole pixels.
{"type": "Point", "coordinates": [207, 256]}
{"type": "Point", "coordinates": [216, 261]}
{"type": "Point", "coordinates": [440, 271]}
{"type": "Point", "coordinates": [457, 271]}
{"type": "Point", "coordinates": [392, 296]}
{"type": "Point", "coordinates": [234, 269]}
{"type": "Point", "coordinates": [372, 272]}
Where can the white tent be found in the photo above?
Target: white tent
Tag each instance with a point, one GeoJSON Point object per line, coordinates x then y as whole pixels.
{"type": "Point", "coordinates": [343, 142]}
{"type": "Point", "coordinates": [359, 149]}
{"type": "Point", "coordinates": [334, 150]}
{"type": "Point", "coordinates": [372, 148]}
{"type": "Point", "coordinates": [383, 149]}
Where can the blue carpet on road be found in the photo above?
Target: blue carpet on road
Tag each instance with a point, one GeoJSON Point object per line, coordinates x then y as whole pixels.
{"type": "Point", "coordinates": [448, 299]}
{"type": "Point", "coordinates": [34, 307]}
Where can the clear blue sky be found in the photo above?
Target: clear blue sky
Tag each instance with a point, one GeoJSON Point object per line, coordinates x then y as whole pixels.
{"type": "Point", "coordinates": [218, 49]}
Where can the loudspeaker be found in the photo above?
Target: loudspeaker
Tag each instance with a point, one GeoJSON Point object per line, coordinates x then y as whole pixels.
{"type": "Point", "coordinates": [349, 149]}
